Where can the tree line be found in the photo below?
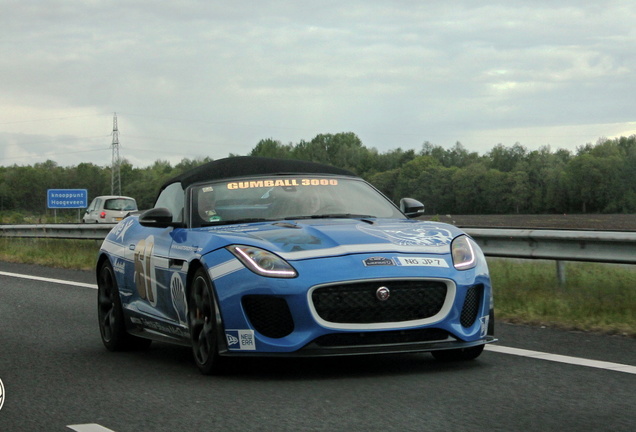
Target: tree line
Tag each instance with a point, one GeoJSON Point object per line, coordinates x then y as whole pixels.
{"type": "Point", "coordinates": [596, 178]}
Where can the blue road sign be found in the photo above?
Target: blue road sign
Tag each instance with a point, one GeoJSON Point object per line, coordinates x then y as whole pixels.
{"type": "Point", "coordinates": [67, 198]}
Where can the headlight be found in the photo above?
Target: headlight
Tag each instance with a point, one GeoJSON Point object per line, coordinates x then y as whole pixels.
{"type": "Point", "coordinates": [263, 262]}
{"type": "Point", "coordinates": [464, 257]}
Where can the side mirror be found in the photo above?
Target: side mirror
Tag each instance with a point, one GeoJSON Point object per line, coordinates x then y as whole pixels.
{"type": "Point", "coordinates": [411, 207]}
{"type": "Point", "coordinates": [156, 218]}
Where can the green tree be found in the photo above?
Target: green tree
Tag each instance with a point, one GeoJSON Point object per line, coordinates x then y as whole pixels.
{"type": "Point", "coordinates": [343, 150]}
{"type": "Point", "coordinates": [506, 159]}
{"type": "Point", "coordinates": [272, 148]}
{"type": "Point", "coordinates": [586, 176]}
{"type": "Point", "coordinates": [519, 191]}
{"type": "Point", "coordinates": [92, 178]}
{"type": "Point", "coordinates": [459, 157]}
{"type": "Point", "coordinates": [469, 183]}
{"type": "Point", "coordinates": [438, 189]}
{"type": "Point", "coordinates": [411, 178]}
{"type": "Point", "coordinates": [386, 182]}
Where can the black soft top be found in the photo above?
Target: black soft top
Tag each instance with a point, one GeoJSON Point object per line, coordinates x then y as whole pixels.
{"type": "Point", "coordinates": [241, 166]}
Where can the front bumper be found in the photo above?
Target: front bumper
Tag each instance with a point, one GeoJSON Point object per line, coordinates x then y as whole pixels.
{"type": "Point", "coordinates": [279, 317]}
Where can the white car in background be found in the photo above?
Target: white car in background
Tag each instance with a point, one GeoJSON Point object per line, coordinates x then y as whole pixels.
{"type": "Point", "coordinates": [109, 209]}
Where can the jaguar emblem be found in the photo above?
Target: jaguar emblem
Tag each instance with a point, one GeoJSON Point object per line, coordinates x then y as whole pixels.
{"type": "Point", "coordinates": [382, 293]}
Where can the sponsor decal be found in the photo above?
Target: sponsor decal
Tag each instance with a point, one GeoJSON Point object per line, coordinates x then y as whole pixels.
{"type": "Point", "coordinates": [231, 340]}
{"type": "Point", "coordinates": [422, 262]}
{"type": "Point", "coordinates": [163, 328]}
{"type": "Point", "coordinates": [410, 235]}
{"type": "Point", "coordinates": [145, 270]}
{"type": "Point", "coordinates": [119, 266]}
{"type": "Point", "coordinates": [484, 326]}
{"type": "Point", "coordinates": [187, 248]}
{"type": "Point", "coordinates": [378, 261]}
{"type": "Point", "coordinates": [242, 340]}
{"type": "Point", "coordinates": [287, 182]}
{"type": "Point", "coordinates": [177, 292]}
{"type": "Point", "coordinates": [120, 231]}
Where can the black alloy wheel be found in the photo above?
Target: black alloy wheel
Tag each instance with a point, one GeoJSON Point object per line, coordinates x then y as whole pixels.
{"type": "Point", "coordinates": [110, 314]}
{"type": "Point", "coordinates": [203, 320]}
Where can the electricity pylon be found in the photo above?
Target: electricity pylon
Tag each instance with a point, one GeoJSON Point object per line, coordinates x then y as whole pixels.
{"type": "Point", "coordinates": [115, 178]}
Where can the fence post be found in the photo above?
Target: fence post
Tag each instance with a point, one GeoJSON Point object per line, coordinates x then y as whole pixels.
{"type": "Point", "coordinates": [560, 269]}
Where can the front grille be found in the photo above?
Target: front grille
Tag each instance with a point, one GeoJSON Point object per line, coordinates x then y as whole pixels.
{"type": "Point", "coordinates": [381, 338]}
{"type": "Point", "coordinates": [471, 305]}
{"type": "Point", "coordinates": [270, 316]}
{"type": "Point", "coordinates": [357, 303]}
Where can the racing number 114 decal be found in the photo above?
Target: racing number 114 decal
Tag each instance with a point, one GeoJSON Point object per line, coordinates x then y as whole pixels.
{"type": "Point", "coordinates": [144, 277]}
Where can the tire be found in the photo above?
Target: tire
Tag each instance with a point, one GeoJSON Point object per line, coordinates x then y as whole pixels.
{"type": "Point", "coordinates": [204, 323]}
{"type": "Point", "coordinates": [112, 327]}
{"type": "Point", "coordinates": [462, 354]}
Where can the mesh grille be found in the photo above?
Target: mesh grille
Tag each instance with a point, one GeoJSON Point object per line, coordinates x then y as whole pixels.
{"type": "Point", "coordinates": [270, 316]}
{"type": "Point", "coordinates": [471, 305]}
{"type": "Point", "coordinates": [358, 304]}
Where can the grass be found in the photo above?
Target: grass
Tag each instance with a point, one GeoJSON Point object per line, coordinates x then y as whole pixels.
{"type": "Point", "coordinates": [69, 254]}
{"type": "Point", "coordinates": [595, 297]}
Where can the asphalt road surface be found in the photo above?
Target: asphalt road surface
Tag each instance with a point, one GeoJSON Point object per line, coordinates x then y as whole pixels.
{"type": "Point", "coordinates": [57, 376]}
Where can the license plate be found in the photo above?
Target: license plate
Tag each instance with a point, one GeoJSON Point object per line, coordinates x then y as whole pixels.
{"type": "Point", "coordinates": [423, 262]}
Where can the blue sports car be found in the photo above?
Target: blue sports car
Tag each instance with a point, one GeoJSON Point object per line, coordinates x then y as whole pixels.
{"type": "Point", "coordinates": [250, 256]}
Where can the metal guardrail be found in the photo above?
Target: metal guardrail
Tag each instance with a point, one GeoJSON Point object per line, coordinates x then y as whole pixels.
{"type": "Point", "coordinates": [59, 231]}
{"type": "Point", "coordinates": [559, 245]}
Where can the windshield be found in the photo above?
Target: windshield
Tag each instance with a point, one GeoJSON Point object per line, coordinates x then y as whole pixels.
{"type": "Point", "coordinates": [287, 197]}
{"type": "Point", "coordinates": [120, 204]}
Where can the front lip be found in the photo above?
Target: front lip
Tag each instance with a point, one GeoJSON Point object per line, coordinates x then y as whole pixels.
{"type": "Point", "coordinates": [314, 350]}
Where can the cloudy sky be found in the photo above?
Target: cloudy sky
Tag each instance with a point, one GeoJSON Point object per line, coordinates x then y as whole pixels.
{"type": "Point", "coordinates": [207, 78]}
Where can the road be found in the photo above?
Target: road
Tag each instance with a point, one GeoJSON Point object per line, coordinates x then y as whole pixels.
{"type": "Point", "coordinates": [57, 376]}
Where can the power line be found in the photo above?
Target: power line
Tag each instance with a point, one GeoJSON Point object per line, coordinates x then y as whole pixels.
{"type": "Point", "coordinates": [31, 156]}
{"type": "Point", "coordinates": [49, 119]}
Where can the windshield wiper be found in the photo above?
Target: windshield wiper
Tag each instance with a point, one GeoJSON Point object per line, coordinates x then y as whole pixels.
{"type": "Point", "coordinates": [365, 218]}
{"type": "Point", "coordinates": [234, 221]}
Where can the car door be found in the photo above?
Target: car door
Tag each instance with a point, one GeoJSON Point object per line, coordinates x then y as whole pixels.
{"type": "Point", "coordinates": [159, 280]}
{"type": "Point", "coordinates": [153, 272]}
{"type": "Point", "coordinates": [88, 216]}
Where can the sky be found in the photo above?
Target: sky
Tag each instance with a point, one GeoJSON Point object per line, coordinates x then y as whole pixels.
{"type": "Point", "coordinates": [194, 79]}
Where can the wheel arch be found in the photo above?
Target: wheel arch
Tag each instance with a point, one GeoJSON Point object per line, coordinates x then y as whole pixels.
{"type": "Point", "coordinates": [193, 267]}
{"type": "Point", "coordinates": [100, 262]}
{"type": "Point", "coordinates": [192, 270]}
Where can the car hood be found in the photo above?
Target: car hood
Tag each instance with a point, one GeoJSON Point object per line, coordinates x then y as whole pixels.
{"type": "Point", "coordinates": [329, 237]}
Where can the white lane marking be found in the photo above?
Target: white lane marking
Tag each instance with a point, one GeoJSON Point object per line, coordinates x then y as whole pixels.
{"type": "Point", "coordinates": [89, 427]}
{"type": "Point", "coordinates": [618, 367]}
{"type": "Point", "coordinates": [43, 279]}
